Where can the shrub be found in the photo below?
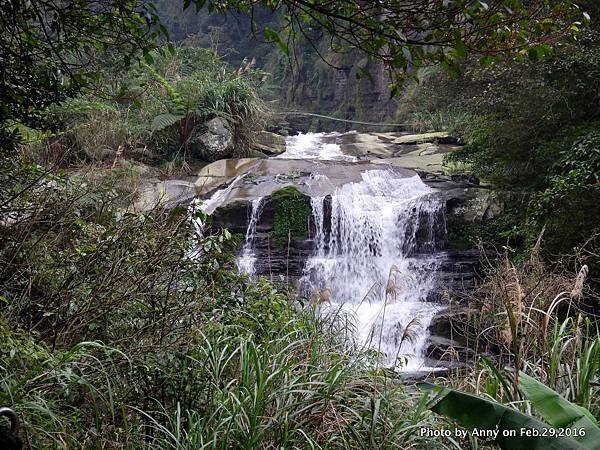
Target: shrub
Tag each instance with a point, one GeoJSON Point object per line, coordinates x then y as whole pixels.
{"type": "Point", "coordinates": [157, 111]}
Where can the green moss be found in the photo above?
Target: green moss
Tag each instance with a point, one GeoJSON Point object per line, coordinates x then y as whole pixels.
{"type": "Point", "coordinates": [291, 215]}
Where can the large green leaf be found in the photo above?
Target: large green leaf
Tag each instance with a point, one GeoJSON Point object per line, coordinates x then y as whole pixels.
{"type": "Point", "coordinates": [561, 413]}
{"type": "Point", "coordinates": [476, 413]}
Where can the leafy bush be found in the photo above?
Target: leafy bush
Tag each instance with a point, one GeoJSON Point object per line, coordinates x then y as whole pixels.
{"type": "Point", "coordinates": [529, 131]}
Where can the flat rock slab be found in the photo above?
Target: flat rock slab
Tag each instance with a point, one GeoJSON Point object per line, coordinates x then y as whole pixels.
{"type": "Point", "coordinates": [222, 172]}
{"type": "Point", "coordinates": [165, 194]}
{"type": "Point", "coordinates": [261, 177]}
{"type": "Point", "coordinates": [427, 163]}
{"type": "Point", "coordinates": [413, 151]}
{"type": "Point", "coordinates": [269, 143]}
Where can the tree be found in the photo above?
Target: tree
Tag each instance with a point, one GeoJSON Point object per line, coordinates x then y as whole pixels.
{"type": "Point", "coordinates": [411, 33]}
{"type": "Point", "coordinates": [48, 49]}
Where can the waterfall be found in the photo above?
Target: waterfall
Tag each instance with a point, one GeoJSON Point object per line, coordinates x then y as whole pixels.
{"type": "Point", "coordinates": [366, 265]}
{"type": "Point", "coordinates": [247, 258]}
{"type": "Point", "coordinates": [219, 196]}
{"type": "Point", "coordinates": [375, 252]}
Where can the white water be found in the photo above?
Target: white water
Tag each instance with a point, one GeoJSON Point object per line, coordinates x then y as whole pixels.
{"type": "Point", "coordinates": [209, 206]}
{"type": "Point", "coordinates": [364, 263]}
{"type": "Point", "coordinates": [247, 259]}
{"type": "Point", "coordinates": [311, 146]}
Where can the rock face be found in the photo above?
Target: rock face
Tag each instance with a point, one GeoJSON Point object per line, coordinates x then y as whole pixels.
{"type": "Point", "coordinates": [457, 271]}
{"type": "Point", "coordinates": [261, 177]}
{"type": "Point", "coordinates": [423, 152]}
{"type": "Point", "coordinates": [165, 194]}
{"type": "Point", "coordinates": [217, 142]}
{"type": "Point", "coordinates": [269, 143]}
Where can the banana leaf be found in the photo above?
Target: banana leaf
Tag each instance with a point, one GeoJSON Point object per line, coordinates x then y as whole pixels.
{"type": "Point", "coordinates": [476, 413]}
{"type": "Point", "coordinates": [561, 413]}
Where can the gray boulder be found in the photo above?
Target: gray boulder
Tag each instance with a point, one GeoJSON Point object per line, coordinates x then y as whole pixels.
{"type": "Point", "coordinates": [217, 142]}
{"type": "Point", "coordinates": [269, 143]}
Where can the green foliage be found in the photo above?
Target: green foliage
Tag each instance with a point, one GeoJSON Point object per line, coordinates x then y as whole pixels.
{"type": "Point", "coordinates": [475, 412]}
{"type": "Point", "coordinates": [560, 413]}
{"type": "Point", "coordinates": [48, 52]}
{"type": "Point", "coordinates": [152, 112]}
{"type": "Point", "coordinates": [129, 329]}
{"type": "Point", "coordinates": [291, 216]}
{"type": "Point", "coordinates": [454, 30]}
{"type": "Point", "coordinates": [570, 198]}
{"type": "Point", "coordinates": [166, 120]}
{"type": "Point", "coordinates": [531, 132]}
{"type": "Point", "coordinates": [457, 122]}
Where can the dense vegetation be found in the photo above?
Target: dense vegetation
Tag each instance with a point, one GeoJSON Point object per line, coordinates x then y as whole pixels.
{"type": "Point", "coordinates": [531, 131]}
{"type": "Point", "coordinates": [152, 113]}
{"type": "Point", "coordinates": [129, 329]}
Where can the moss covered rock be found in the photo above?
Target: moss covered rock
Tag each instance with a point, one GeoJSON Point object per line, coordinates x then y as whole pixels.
{"type": "Point", "coordinates": [291, 215]}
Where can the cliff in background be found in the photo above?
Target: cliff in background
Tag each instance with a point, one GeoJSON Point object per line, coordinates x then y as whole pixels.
{"type": "Point", "coordinates": [347, 86]}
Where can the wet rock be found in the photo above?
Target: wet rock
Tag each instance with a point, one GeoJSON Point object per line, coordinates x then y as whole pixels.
{"type": "Point", "coordinates": [444, 349]}
{"type": "Point", "coordinates": [262, 177]}
{"type": "Point", "coordinates": [476, 206]}
{"type": "Point", "coordinates": [222, 172]}
{"type": "Point", "coordinates": [441, 137]}
{"type": "Point", "coordinates": [468, 178]}
{"type": "Point", "coordinates": [217, 142]}
{"type": "Point", "coordinates": [441, 324]}
{"type": "Point", "coordinates": [363, 145]}
{"type": "Point", "coordinates": [269, 143]}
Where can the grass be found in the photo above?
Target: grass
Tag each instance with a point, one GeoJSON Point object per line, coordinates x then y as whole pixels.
{"type": "Point", "coordinates": [536, 320]}
{"type": "Point", "coordinates": [118, 119]}
{"type": "Point", "coordinates": [115, 336]}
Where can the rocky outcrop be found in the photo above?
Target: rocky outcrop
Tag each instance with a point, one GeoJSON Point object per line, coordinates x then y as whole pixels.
{"type": "Point", "coordinates": [424, 152]}
{"type": "Point", "coordinates": [457, 270]}
{"type": "Point", "coordinates": [262, 177]}
{"type": "Point", "coordinates": [269, 143]}
{"type": "Point", "coordinates": [477, 206]}
{"type": "Point", "coordinates": [217, 142]}
{"type": "Point", "coordinates": [164, 194]}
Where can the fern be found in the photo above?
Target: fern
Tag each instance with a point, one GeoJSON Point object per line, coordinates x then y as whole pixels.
{"type": "Point", "coordinates": [166, 120]}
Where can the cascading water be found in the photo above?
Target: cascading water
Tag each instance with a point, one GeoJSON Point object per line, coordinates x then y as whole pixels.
{"type": "Point", "coordinates": [311, 146]}
{"type": "Point", "coordinates": [374, 250]}
{"type": "Point", "coordinates": [365, 265]}
{"type": "Point", "coordinates": [247, 258]}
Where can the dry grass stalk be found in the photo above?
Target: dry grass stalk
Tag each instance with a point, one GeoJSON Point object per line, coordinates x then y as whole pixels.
{"type": "Point", "coordinates": [411, 331]}
{"type": "Point", "coordinates": [577, 291]}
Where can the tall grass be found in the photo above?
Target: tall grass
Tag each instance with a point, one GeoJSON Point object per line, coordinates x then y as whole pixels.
{"type": "Point", "coordinates": [150, 113]}
{"type": "Point", "coordinates": [301, 389]}
{"type": "Point", "coordinates": [540, 321]}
